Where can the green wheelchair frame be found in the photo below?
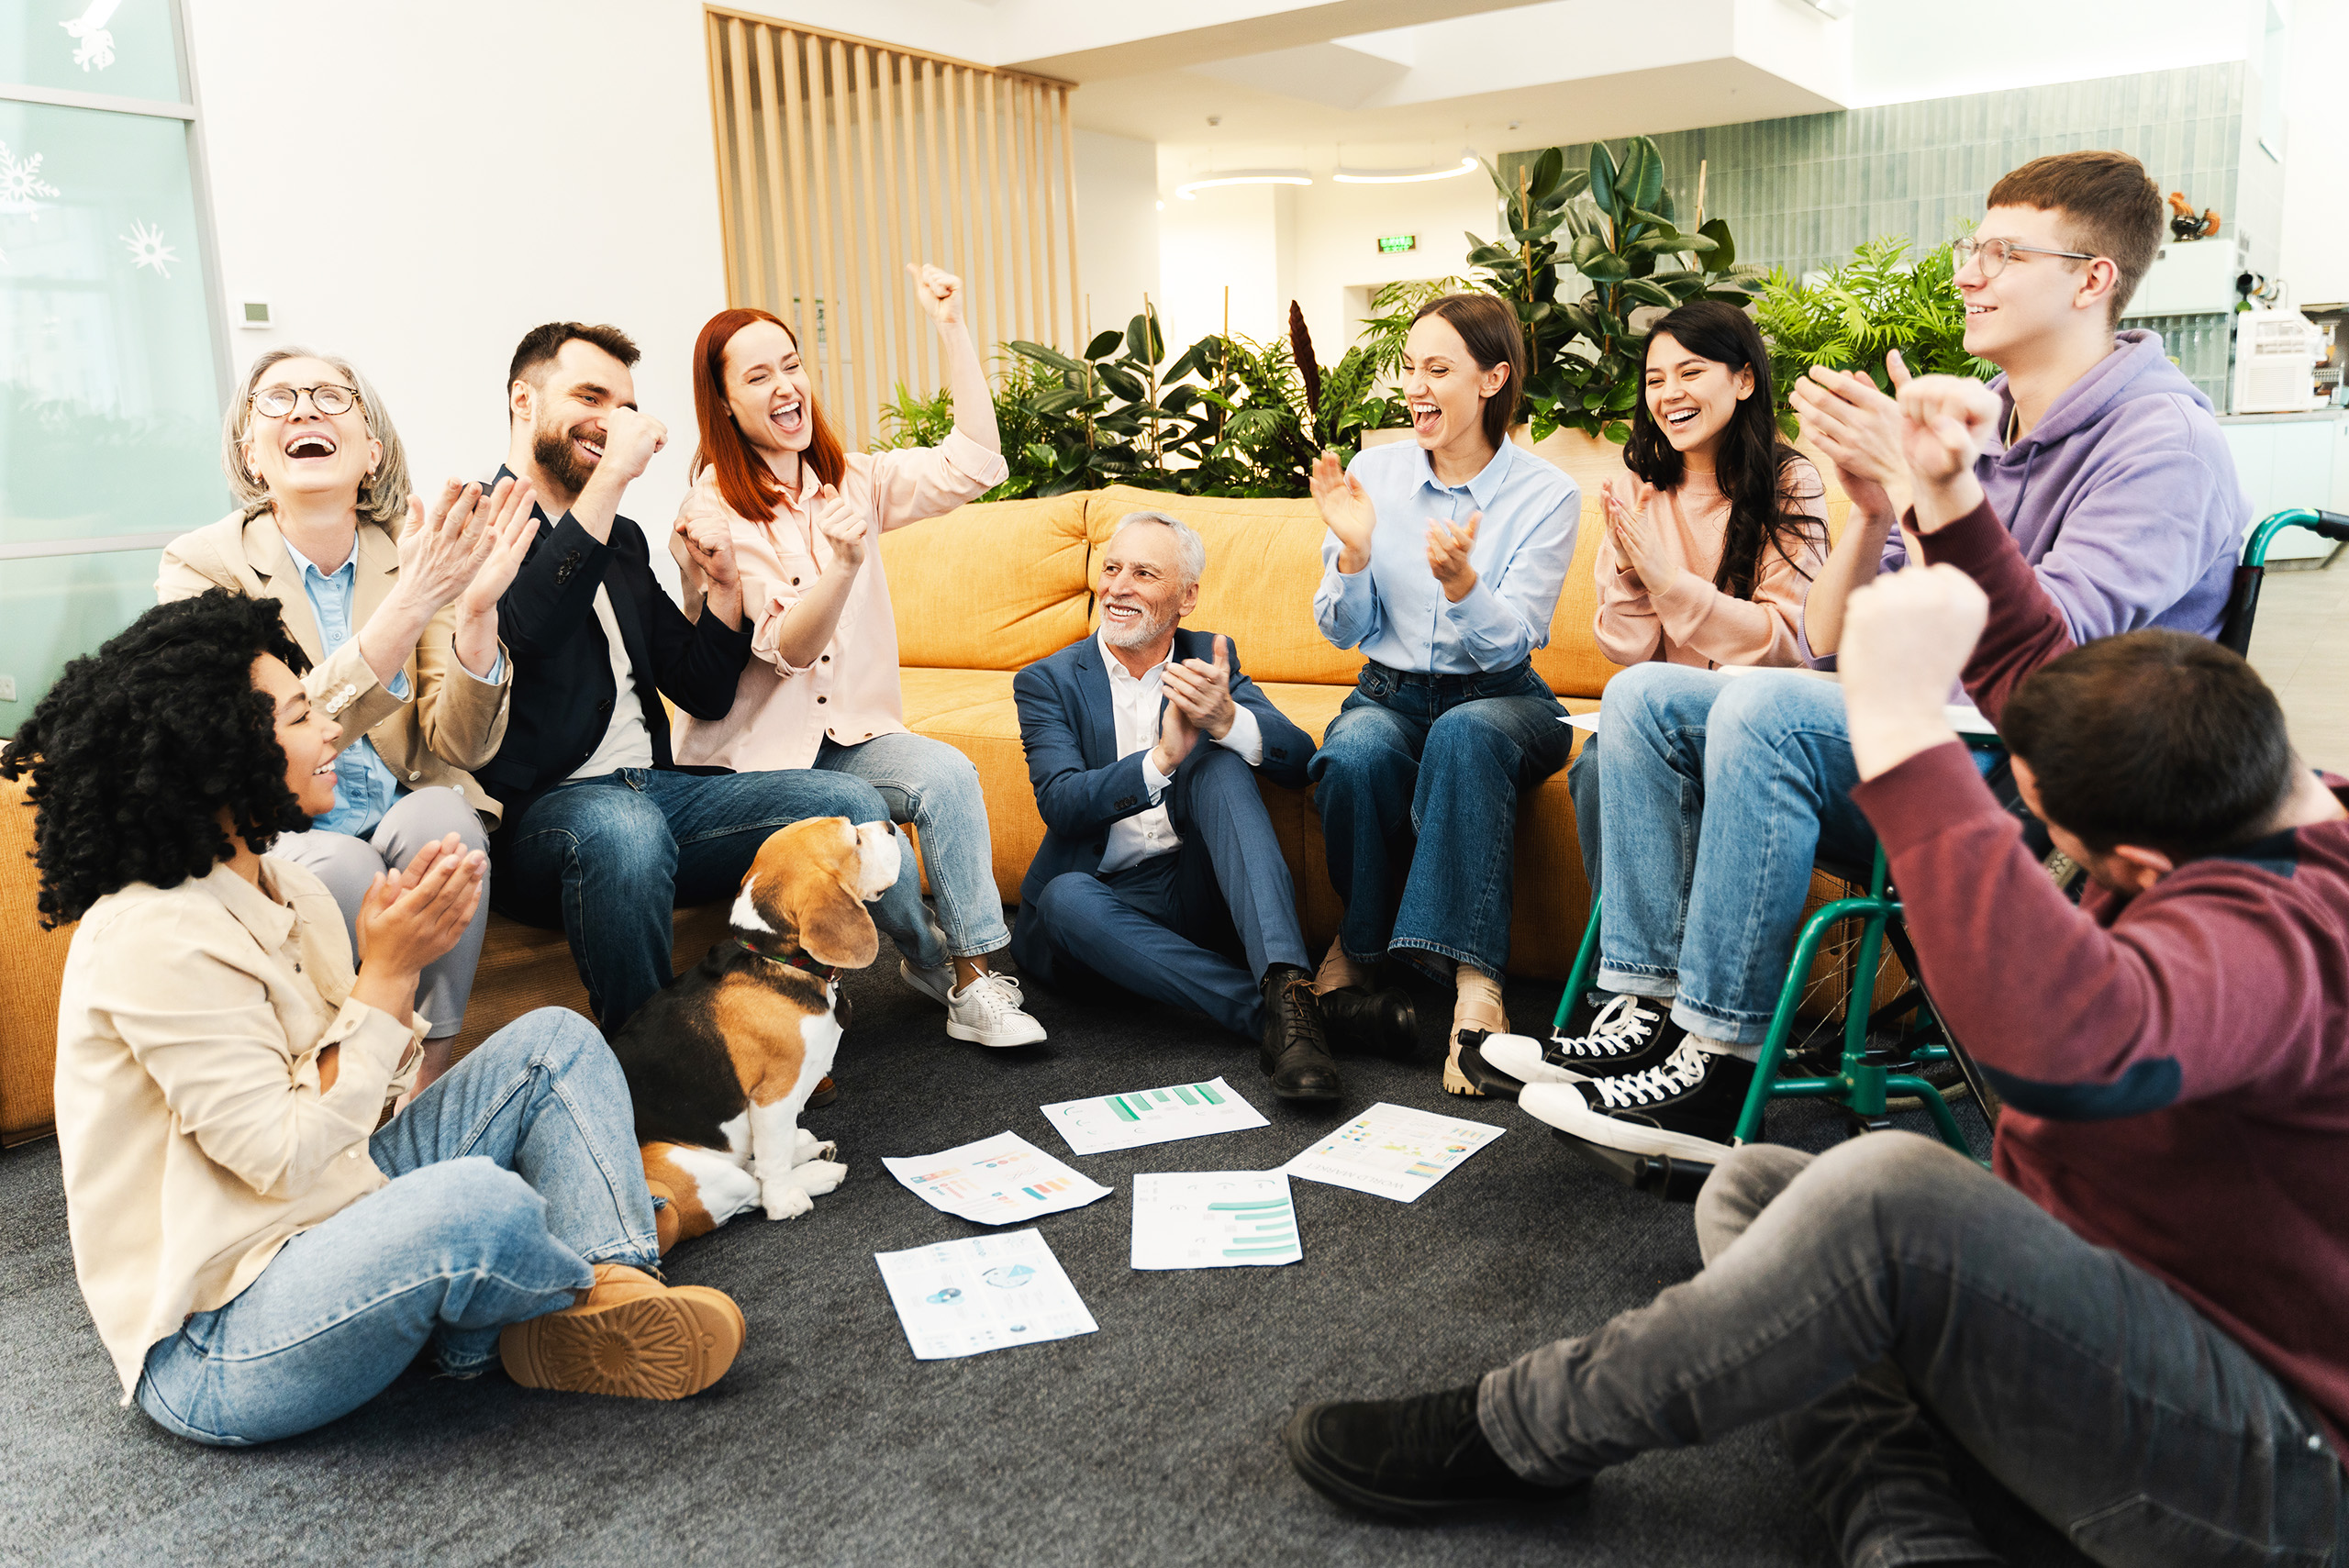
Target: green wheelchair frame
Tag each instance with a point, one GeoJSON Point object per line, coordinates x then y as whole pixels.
{"type": "Point", "coordinates": [1868, 1077]}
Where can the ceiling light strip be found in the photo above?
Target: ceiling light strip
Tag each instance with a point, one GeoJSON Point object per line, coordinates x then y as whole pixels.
{"type": "Point", "coordinates": [1244, 177]}
{"type": "Point", "coordinates": [1345, 176]}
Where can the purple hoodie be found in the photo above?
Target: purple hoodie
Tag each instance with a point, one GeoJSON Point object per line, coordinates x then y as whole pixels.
{"type": "Point", "coordinates": [2123, 500]}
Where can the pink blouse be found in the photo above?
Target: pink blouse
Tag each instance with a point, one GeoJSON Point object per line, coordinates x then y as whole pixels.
{"type": "Point", "coordinates": [1692, 622]}
{"type": "Point", "coordinates": [782, 713]}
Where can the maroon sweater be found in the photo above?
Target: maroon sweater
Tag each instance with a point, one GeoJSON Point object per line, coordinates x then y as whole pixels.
{"type": "Point", "coordinates": [2175, 1065]}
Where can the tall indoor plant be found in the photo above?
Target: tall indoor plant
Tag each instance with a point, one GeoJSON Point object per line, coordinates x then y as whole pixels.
{"type": "Point", "coordinates": [1855, 315]}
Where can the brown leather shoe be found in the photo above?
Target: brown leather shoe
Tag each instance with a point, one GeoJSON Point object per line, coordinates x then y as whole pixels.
{"type": "Point", "coordinates": [1295, 1054]}
{"type": "Point", "coordinates": [824, 1093]}
{"type": "Point", "coordinates": [628, 1335]}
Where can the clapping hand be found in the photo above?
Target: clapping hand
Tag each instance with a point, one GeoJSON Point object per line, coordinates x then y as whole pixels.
{"type": "Point", "coordinates": [498, 551]}
{"type": "Point", "coordinates": [1203, 691]}
{"type": "Point", "coordinates": [1946, 421]}
{"type": "Point", "coordinates": [1176, 736]}
{"type": "Point", "coordinates": [940, 293]}
{"type": "Point", "coordinates": [410, 918]}
{"type": "Point", "coordinates": [838, 522]}
{"type": "Point", "coordinates": [1346, 509]}
{"type": "Point", "coordinates": [1448, 549]}
{"type": "Point", "coordinates": [1906, 640]}
{"type": "Point", "coordinates": [1632, 530]}
{"type": "Point", "coordinates": [442, 551]}
{"type": "Point", "coordinates": [1858, 428]}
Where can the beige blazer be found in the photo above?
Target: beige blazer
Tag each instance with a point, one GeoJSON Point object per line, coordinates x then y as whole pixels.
{"type": "Point", "coordinates": [456, 721]}
{"type": "Point", "coordinates": [196, 1141]}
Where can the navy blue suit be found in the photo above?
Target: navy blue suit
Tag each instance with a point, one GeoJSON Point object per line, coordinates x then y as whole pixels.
{"type": "Point", "coordinates": [1196, 927]}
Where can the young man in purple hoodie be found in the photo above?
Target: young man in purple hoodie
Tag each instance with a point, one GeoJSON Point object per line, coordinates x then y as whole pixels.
{"type": "Point", "coordinates": [2135, 1324]}
{"type": "Point", "coordinates": [1717, 795]}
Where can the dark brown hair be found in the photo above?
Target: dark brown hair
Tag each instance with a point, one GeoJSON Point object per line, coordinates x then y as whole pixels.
{"type": "Point", "coordinates": [2156, 738]}
{"type": "Point", "coordinates": [2109, 205]}
{"type": "Point", "coordinates": [539, 346]}
{"type": "Point", "coordinates": [1753, 464]}
{"type": "Point", "coordinates": [1489, 327]}
{"type": "Point", "coordinates": [748, 485]}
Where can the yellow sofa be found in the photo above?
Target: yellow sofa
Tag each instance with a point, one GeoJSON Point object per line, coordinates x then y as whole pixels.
{"type": "Point", "coordinates": [980, 594]}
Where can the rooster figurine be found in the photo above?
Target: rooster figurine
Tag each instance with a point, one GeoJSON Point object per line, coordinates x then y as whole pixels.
{"type": "Point", "coordinates": [2185, 225]}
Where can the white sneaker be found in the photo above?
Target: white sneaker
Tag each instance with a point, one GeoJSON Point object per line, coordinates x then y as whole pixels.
{"type": "Point", "coordinates": [987, 1012]}
{"type": "Point", "coordinates": [938, 984]}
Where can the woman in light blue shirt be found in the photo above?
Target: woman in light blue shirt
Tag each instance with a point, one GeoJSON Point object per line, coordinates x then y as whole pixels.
{"type": "Point", "coordinates": [1443, 565]}
{"type": "Point", "coordinates": [397, 612]}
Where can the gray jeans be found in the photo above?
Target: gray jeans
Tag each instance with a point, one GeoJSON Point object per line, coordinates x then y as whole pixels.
{"type": "Point", "coordinates": [347, 865]}
{"type": "Point", "coordinates": [1890, 1290]}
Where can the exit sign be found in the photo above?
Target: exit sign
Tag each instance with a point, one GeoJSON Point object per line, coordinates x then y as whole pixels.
{"type": "Point", "coordinates": [1391, 244]}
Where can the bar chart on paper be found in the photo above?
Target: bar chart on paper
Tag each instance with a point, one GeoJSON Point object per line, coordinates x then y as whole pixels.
{"type": "Point", "coordinates": [1392, 1151]}
{"type": "Point", "coordinates": [1214, 1219]}
{"type": "Point", "coordinates": [1151, 1116]}
{"type": "Point", "coordinates": [996, 1181]}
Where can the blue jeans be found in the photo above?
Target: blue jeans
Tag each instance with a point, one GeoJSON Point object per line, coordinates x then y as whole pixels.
{"type": "Point", "coordinates": [510, 1176]}
{"type": "Point", "coordinates": [936, 788]}
{"type": "Point", "coordinates": [607, 860]}
{"type": "Point", "coordinates": [1719, 794]}
{"type": "Point", "coordinates": [1417, 782]}
{"type": "Point", "coordinates": [1196, 928]}
{"type": "Point", "coordinates": [1890, 1296]}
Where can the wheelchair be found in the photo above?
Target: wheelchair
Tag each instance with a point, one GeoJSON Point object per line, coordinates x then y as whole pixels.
{"type": "Point", "coordinates": [1885, 1049]}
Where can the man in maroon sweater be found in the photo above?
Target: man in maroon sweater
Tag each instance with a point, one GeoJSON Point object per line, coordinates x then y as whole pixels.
{"type": "Point", "coordinates": [2140, 1324]}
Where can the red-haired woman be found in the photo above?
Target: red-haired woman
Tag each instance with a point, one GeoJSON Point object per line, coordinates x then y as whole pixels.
{"type": "Point", "coordinates": [822, 690]}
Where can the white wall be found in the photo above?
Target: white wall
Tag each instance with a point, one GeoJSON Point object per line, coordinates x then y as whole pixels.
{"type": "Point", "coordinates": [1904, 51]}
{"type": "Point", "coordinates": [416, 185]}
{"type": "Point", "coordinates": [1117, 226]}
{"type": "Point", "coordinates": [2315, 250]}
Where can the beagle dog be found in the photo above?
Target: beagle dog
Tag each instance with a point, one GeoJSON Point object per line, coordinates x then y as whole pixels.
{"type": "Point", "coordinates": [722, 1059]}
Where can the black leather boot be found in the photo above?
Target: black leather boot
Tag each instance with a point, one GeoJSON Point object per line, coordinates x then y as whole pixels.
{"type": "Point", "coordinates": [1370, 1023]}
{"type": "Point", "coordinates": [1296, 1055]}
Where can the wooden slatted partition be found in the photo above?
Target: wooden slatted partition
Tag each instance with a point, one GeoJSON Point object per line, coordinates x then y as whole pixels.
{"type": "Point", "coordinates": [840, 159]}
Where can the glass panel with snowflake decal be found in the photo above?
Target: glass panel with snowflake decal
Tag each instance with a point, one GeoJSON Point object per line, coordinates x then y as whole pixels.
{"type": "Point", "coordinates": [124, 49]}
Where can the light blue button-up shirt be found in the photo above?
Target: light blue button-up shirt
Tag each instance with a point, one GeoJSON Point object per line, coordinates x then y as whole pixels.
{"type": "Point", "coordinates": [1395, 610]}
{"type": "Point", "coordinates": [364, 785]}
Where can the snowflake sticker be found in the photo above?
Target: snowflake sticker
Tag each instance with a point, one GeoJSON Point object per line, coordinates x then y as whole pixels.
{"type": "Point", "coordinates": [96, 43]}
{"type": "Point", "coordinates": [148, 249]}
{"type": "Point", "coordinates": [20, 182]}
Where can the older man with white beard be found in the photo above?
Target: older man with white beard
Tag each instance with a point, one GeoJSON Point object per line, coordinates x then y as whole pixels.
{"type": "Point", "coordinates": [1159, 872]}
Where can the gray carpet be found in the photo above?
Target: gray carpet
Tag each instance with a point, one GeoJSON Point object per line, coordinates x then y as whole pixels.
{"type": "Point", "coordinates": [1155, 1440]}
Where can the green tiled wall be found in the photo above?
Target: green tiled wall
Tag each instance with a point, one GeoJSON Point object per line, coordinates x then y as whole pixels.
{"type": "Point", "coordinates": [1800, 193]}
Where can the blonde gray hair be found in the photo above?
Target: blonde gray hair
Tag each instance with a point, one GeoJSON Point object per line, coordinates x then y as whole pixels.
{"type": "Point", "coordinates": [1191, 551]}
{"type": "Point", "coordinates": [383, 495]}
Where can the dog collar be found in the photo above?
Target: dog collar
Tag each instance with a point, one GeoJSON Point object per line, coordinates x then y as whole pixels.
{"type": "Point", "coordinates": [793, 961]}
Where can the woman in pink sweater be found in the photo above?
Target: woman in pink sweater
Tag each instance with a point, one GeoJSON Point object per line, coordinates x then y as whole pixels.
{"type": "Point", "coordinates": [821, 689]}
{"type": "Point", "coordinates": [1714, 534]}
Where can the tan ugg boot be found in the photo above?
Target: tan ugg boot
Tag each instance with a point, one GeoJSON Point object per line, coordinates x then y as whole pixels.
{"type": "Point", "coordinates": [628, 1335]}
{"type": "Point", "coordinates": [1477, 1006]}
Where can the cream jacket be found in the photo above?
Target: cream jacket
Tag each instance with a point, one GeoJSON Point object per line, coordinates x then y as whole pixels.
{"type": "Point", "coordinates": [195, 1140]}
{"type": "Point", "coordinates": [782, 713]}
{"type": "Point", "coordinates": [456, 720]}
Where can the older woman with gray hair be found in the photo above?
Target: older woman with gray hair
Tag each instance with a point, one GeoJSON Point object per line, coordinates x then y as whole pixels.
{"type": "Point", "coordinates": [396, 607]}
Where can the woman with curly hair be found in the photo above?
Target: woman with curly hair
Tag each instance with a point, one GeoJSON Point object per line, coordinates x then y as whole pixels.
{"type": "Point", "coordinates": [821, 689]}
{"type": "Point", "coordinates": [259, 1258]}
{"type": "Point", "coordinates": [398, 614]}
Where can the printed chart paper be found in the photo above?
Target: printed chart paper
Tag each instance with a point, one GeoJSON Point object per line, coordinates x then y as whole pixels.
{"type": "Point", "coordinates": [996, 1181]}
{"type": "Point", "coordinates": [981, 1292]}
{"type": "Point", "coordinates": [1214, 1219]}
{"type": "Point", "coordinates": [1151, 1116]}
{"type": "Point", "coordinates": [1392, 1151]}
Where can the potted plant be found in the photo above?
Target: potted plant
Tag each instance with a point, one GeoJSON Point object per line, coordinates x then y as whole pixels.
{"type": "Point", "coordinates": [1850, 319]}
{"type": "Point", "coordinates": [1614, 225]}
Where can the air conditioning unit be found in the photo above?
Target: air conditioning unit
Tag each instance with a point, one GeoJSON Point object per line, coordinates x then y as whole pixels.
{"type": "Point", "coordinates": [2275, 359]}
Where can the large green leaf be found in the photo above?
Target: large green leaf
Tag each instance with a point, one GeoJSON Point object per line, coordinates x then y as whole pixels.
{"type": "Point", "coordinates": [1124, 383]}
{"type": "Point", "coordinates": [1103, 344]}
{"type": "Point", "coordinates": [1606, 267]}
{"type": "Point", "coordinates": [1585, 248]}
{"type": "Point", "coordinates": [1724, 252]}
{"type": "Point", "coordinates": [1647, 183]}
{"type": "Point", "coordinates": [1548, 170]}
{"type": "Point", "coordinates": [1144, 342]}
{"type": "Point", "coordinates": [1647, 293]}
{"type": "Point", "coordinates": [1043, 355]}
{"type": "Point", "coordinates": [1602, 178]}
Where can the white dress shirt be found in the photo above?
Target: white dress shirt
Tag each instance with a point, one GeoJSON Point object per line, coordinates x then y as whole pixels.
{"type": "Point", "coordinates": [1136, 701]}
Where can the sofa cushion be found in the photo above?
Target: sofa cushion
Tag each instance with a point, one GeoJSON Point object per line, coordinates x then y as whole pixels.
{"type": "Point", "coordinates": [993, 586]}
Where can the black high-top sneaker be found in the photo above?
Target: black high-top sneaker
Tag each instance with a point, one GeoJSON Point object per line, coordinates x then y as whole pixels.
{"type": "Point", "coordinates": [1408, 1459]}
{"type": "Point", "coordinates": [1629, 1035]}
{"type": "Point", "coordinates": [1686, 1106]}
